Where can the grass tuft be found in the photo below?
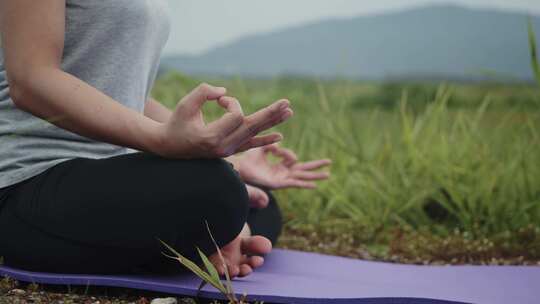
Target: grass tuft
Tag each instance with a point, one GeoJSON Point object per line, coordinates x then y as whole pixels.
{"type": "Point", "coordinates": [459, 157]}
{"type": "Point", "coordinates": [534, 54]}
{"type": "Point", "coordinates": [210, 276]}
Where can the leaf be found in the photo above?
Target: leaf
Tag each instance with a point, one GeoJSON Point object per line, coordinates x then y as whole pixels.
{"type": "Point", "coordinates": [534, 54]}
{"type": "Point", "coordinates": [209, 266]}
{"type": "Point", "coordinates": [230, 291]}
{"type": "Point", "coordinates": [194, 268]}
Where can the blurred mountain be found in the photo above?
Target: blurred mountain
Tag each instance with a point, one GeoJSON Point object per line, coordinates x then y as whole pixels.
{"type": "Point", "coordinates": [435, 42]}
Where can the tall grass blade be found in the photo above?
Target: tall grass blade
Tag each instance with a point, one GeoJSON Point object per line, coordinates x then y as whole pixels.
{"type": "Point", "coordinates": [534, 52]}
{"type": "Point", "coordinates": [195, 269]}
{"type": "Point", "coordinates": [209, 266]}
{"type": "Point", "coordinates": [229, 288]}
{"type": "Point", "coordinates": [201, 286]}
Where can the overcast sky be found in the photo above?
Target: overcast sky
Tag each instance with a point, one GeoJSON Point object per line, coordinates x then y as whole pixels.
{"type": "Point", "coordinates": [198, 25]}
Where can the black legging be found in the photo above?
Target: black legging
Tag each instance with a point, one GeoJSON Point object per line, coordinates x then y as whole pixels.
{"type": "Point", "coordinates": [105, 216]}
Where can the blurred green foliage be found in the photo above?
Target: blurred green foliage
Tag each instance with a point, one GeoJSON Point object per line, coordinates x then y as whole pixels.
{"type": "Point", "coordinates": [425, 159]}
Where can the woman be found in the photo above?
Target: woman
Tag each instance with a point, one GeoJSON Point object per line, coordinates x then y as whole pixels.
{"type": "Point", "coordinates": [93, 171]}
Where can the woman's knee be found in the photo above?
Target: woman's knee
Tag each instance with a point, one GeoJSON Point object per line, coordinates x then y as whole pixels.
{"type": "Point", "coordinates": [214, 199]}
{"type": "Point", "coordinates": [228, 202]}
{"type": "Point", "coordinates": [268, 221]}
{"type": "Point", "coordinates": [191, 194]}
{"type": "Point", "coordinates": [207, 186]}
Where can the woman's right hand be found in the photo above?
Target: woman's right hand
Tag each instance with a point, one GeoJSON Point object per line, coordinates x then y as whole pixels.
{"type": "Point", "coordinates": [186, 135]}
{"type": "Point", "coordinates": [33, 46]}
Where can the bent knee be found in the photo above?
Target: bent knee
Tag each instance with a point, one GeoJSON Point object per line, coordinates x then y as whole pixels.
{"type": "Point", "coordinates": [203, 190]}
{"type": "Point", "coordinates": [228, 195]}
{"type": "Point", "coordinates": [225, 199]}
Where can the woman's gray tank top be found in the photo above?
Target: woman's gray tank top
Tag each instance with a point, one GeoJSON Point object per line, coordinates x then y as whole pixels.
{"type": "Point", "coordinates": [115, 46]}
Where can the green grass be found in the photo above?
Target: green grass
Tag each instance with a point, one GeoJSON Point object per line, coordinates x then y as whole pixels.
{"type": "Point", "coordinates": [534, 54]}
{"type": "Point", "coordinates": [436, 173]}
{"type": "Point", "coordinates": [209, 274]}
{"type": "Point", "coordinates": [423, 172]}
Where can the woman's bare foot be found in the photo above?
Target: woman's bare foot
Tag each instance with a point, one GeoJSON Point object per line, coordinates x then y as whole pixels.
{"type": "Point", "coordinates": [243, 254]}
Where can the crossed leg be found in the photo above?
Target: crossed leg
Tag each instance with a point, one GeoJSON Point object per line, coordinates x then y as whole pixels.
{"type": "Point", "coordinates": [105, 216]}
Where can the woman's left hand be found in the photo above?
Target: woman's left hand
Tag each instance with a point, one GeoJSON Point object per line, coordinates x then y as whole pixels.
{"type": "Point", "coordinates": [255, 168]}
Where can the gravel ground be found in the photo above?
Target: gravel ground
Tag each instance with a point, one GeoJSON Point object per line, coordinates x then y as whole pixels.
{"type": "Point", "coordinates": [339, 242]}
{"type": "Point", "coordinates": [13, 292]}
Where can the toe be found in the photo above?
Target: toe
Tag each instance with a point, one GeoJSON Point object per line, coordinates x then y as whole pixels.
{"type": "Point", "coordinates": [245, 270]}
{"type": "Point", "coordinates": [253, 261]}
{"type": "Point", "coordinates": [256, 261]}
{"type": "Point", "coordinates": [220, 270]}
{"type": "Point", "coordinates": [256, 245]}
{"type": "Point", "coordinates": [234, 270]}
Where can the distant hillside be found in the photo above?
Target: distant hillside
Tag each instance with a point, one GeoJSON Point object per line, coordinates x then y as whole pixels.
{"type": "Point", "coordinates": [430, 42]}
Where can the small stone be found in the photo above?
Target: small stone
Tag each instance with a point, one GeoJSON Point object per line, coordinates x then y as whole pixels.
{"type": "Point", "coordinates": [142, 300]}
{"type": "Point", "coordinates": [17, 292]}
{"type": "Point", "coordinates": [164, 301]}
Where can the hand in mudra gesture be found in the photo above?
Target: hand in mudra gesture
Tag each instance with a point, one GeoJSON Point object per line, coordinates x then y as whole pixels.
{"type": "Point", "coordinates": [256, 168]}
{"type": "Point", "coordinates": [186, 135]}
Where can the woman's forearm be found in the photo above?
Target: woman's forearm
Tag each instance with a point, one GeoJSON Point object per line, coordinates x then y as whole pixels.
{"type": "Point", "coordinates": [71, 104]}
{"type": "Point", "coordinates": [156, 111]}
{"type": "Point", "coordinates": [33, 34]}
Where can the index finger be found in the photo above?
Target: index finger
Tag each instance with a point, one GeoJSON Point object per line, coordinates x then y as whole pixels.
{"type": "Point", "coordinates": [267, 115]}
{"type": "Point", "coordinates": [195, 99]}
{"type": "Point", "coordinates": [229, 122]}
{"type": "Point", "coordinates": [258, 122]}
{"type": "Point", "coordinates": [313, 165]}
{"type": "Point", "coordinates": [231, 104]}
{"type": "Point", "coordinates": [288, 156]}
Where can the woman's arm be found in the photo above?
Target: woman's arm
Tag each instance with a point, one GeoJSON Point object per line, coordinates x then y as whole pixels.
{"type": "Point", "coordinates": [155, 110]}
{"type": "Point", "coordinates": [33, 42]}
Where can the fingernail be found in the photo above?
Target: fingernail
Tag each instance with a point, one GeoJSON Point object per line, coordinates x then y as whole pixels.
{"type": "Point", "coordinates": [283, 106]}
{"type": "Point", "coordinates": [286, 115]}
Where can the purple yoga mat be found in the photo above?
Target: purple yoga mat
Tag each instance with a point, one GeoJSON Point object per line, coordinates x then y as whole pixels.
{"type": "Point", "coordinates": [299, 277]}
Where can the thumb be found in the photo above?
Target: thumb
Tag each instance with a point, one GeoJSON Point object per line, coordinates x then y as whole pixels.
{"type": "Point", "coordinates": [257, 197]}
{"type": "Point", "coordinates": [193, 102]}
